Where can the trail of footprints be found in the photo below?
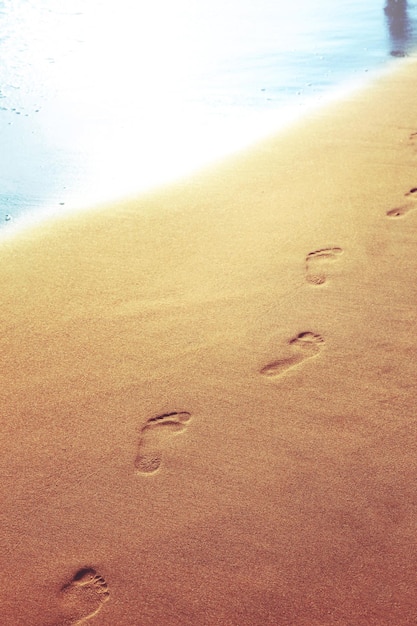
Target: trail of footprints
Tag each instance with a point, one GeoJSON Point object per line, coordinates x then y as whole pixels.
{"type": "Point", "coordinates": [305, 345]}
{"type": "Point", "coordinates": [406, 207]}
{"type": "Point", "coordinates": [84, 596]}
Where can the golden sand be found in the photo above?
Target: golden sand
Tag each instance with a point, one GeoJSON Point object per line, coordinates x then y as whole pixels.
{"type": "Point", "coordinates": [208, 393]}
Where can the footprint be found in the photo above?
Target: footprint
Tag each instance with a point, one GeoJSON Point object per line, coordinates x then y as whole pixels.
{"type": "Point", "coordinates": [316, 264]}
{"type": "Point", "coordinates": [305, 346]}
{"type": "Point", "coordinates": [405, 208]}
{"type": "Point", "coordinates": [153, 437]}
{"type": "Point", "coordinates": [83, 597]}
{"type": "Point", "coordinates": [401, 210]}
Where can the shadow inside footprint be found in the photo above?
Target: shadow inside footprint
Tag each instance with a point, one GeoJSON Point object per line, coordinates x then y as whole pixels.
{"type": "Point", "coordinates": [305, 346]}
{"type": "Point", "coordinates": [153, 437]}
{"type": "Point", "coordinates": [83, 596]}
{"type": "Point", "coordinates": [317, 264]}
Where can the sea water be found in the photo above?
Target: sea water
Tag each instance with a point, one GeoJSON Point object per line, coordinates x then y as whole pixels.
{"type": "Point", "coordinates": [102, 99]}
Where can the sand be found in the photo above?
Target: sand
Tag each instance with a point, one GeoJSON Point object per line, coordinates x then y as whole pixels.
{"type": "Point", "coordinates": [208, 392]}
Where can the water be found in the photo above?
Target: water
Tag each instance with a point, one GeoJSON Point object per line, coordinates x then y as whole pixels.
{"type": "Point", "coordinates": [99, 100]}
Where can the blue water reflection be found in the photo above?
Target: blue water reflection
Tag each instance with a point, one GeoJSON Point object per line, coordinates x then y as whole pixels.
{"type": "Point", "coordinates": [99, 100]}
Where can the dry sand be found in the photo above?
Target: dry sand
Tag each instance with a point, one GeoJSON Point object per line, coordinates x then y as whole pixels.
{"type": "Point", "coordinates": [208, 393]}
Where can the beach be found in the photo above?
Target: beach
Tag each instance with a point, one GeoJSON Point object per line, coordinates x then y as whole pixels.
{"type": "Point", "coordinates": [208, 396]}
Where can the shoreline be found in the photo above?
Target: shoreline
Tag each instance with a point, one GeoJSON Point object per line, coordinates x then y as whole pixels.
{"type": "Point", "coordinates": [279, 121]}
{"type": "Point", "coordinates": [208, 391]}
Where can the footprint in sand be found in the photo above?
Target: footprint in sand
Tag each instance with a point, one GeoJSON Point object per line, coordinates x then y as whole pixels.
{"type": "Point", "coordinates": [317, 264]}
{"type": "Point", "coordinates": [405, 208]}
{"type": "Point", "coordinates": [153, 438]}
{"type": "Point", "coordinates": [305, 346]}
{"type": "Point", "coordinates": [83, 597]}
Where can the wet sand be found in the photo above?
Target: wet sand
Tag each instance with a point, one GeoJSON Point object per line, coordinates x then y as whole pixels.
{"type": "Point", "coordinates": [208, 394]}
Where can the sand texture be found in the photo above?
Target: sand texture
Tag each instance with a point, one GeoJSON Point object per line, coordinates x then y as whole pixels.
{"type": "Point", "coordinates": [208, 398]}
